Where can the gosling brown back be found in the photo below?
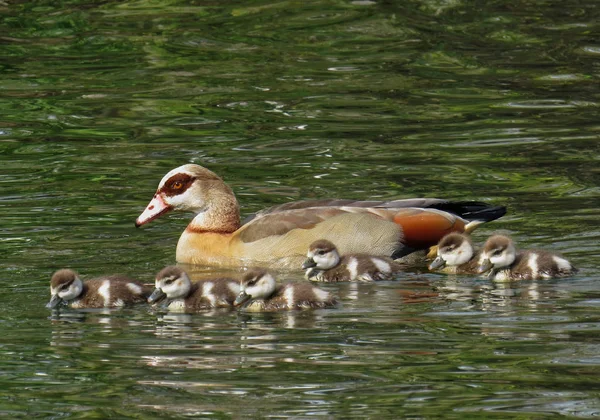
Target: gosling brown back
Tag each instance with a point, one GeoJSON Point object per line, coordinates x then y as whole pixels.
{"type": "Point", "coordinates": [351, 267]}
{"type": "Point", "coordinates": [270, 296]}
{"type": "Point", "coordinates": [103, 292]}
{"type": "Point", "coordinates": [202, 294]}
{"type": "Point", "coordinates": [509, 264]}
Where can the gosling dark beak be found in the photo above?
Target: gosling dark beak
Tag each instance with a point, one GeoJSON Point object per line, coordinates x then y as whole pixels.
{"type": "Point", "coordinates": [308, 263]}
{"type": "Point", "coordinates": [242, 298]}
{"type": "Point", "coordinates": [156, 296]}
{"type": "Point", "coordinates": [438, 263]}
{"type": "Point", "coordinates": [54, 301]}
{"type": "Point", "coordinates": [484, 266]}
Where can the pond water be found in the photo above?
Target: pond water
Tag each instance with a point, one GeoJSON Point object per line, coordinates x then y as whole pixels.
{"type": "Point", "coordinates": [492, 101]}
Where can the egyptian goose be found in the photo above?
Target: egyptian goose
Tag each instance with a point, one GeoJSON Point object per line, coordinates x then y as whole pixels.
{"type": "Point", "coordinates": [103, 292]}
{"type": "Point", "coordinates": [324, 263]}
{"type": "Point", "coordinates": [259, 292]}
{"type": "Point", "coordinates": [181, 294]}
{"type": "Point", "coordinates": [456, 255]}
{"type": "Point", "coordinates": [280, 235]}
{"type": "Point", "coordinates": [500, 257]}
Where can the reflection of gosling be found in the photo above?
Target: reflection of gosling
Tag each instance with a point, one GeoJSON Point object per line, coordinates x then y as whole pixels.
{"type": "Point", "coordinates": [181, 294]}
{"type": "Point", "coordinates": [260, 292]}
{"type": "Point", "coordinates": [103, 292]}
{"type": "Point", "coordinates": [500, 257]}
{"type": "Point", "coordinates": [323, 263]}
{"type": "Point", "coordinates": [455, 255]}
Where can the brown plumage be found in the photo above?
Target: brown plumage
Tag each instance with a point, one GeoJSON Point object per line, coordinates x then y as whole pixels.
{"type": "Point", "coordinates": [181, 294]}
{"type": "Point", "coordinates": [103, 292]}
{"type": "Point", "coordinates": [259, 292]}
{"type": "Point", "coordinates": [279, 236]}
{"type": "Point", "coordinates": [501, 260]}
{"type": "Point", "coordinates": [324, 263]}
{"type": "Point", "coordinates": [456, 255]}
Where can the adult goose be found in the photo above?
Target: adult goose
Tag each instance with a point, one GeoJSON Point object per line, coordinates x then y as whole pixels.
{"type": "Point", "coordinates": [279, 236]}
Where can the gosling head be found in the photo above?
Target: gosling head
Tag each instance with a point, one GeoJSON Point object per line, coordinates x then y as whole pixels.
{"type": "Point", "coordinates": [256, 284]}
{"type": "Point", "coordinates": [497, 253]}
{"type": "Point", "coordinates": [454, 249]}
{"type": "Point", "coordinates": [322, 255]}
{"type": "Point", "coordinates": [65, 285]}
{"type": "Point", "coordinates": [171, 282]}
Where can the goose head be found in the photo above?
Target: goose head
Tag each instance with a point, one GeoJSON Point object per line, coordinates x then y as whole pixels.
{"type": "Point", "coordinates": [256, 284]}
{"type": "Point", "coordinates": [171, 282]}
{"type": "Point", "coordinates": [65, 285]}
{"type": "Point", "coordinates": [497, 253]}
{"type": "Point", "coordinates": [322, 254]}
{"type": "Point", "coordinates": [453, 249]}
{"type": "Point", "coordinates": [190, 188]}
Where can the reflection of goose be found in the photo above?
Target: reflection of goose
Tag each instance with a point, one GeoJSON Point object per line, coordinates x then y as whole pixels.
{"type": "Point", "coordinates": [103, 292]}
{"type": "Point", "coordinates": [260, 292]}
{"type": "Point", "coordinates": [499, 256]}
{"type": "Point", "coordinates": [281, 235]}
{"type": "Point", "coordinates": [455, 255]}
{"type": "Point", "coordinates": [181, 294]}
{"type": "Point", "coordinates": [323, 263]}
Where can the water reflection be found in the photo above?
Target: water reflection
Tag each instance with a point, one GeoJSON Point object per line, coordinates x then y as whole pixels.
{"type": "Point", "coordinates": [72, 328]}
{"type": "Point", "coordinates": [213, 357]}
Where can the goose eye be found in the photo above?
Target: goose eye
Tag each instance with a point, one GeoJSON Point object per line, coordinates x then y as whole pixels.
{"type": "Point", "coordinates": [177, 185]}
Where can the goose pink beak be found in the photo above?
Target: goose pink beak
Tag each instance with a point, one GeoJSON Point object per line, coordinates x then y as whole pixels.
{"type": "Point", "coordinates": [156, 208]}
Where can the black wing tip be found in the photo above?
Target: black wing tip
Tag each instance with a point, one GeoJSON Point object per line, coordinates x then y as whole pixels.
{"type": "Point", "coordinates": [486, 214]}
{"type": "Point", "coordinates": [472, 210]}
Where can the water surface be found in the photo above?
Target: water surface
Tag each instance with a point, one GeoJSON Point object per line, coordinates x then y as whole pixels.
{"type": "Point", "coordinates": [285, 100]}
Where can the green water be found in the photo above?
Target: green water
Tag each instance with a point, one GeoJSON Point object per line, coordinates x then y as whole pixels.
{"type": "Point", "coordinates": [493, 101]}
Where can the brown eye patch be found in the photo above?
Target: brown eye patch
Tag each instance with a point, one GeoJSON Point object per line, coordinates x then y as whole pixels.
{"type": "Point", "coordinates": [66, 285]}
{"type": "Point", "coordinates": [177, 184]}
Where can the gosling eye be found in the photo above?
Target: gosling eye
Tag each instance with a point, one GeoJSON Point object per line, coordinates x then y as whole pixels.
{"type": "Point", "coordinates": [252, 282]}
{"type": "Point", "coordinates": [169, 281]}
{"type": "Point", "coordinates": [496, 252]}
{"type": "Point", "coordinates": [66, 286]}
{"type": "Point", "coordinates": [321, 252]}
